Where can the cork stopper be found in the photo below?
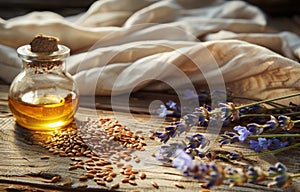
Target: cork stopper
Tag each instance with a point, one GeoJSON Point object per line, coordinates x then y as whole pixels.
{"type": "Point", "coordinates": [43, 43]}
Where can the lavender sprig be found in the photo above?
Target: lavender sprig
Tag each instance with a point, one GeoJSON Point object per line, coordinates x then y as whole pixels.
{"type": "Point", "coordinates": [213, 175]}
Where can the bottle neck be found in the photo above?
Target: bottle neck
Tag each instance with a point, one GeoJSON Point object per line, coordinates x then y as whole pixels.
{"type": "Point", "coordinates": [39, 67]}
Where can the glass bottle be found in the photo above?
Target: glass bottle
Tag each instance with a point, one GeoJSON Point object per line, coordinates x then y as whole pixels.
{"type": "Point", "coordinates": [43, 97]}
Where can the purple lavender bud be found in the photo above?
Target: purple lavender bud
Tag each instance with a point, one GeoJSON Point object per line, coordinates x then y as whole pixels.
{"type": "Point", "coordinates": [162, 111]}
{"type": "Point", "coordinates": [182, 160]}
{"type": "Point", "coordinates": [264, 143]}
{"type": "Point", "coordinates": [234, 156]}
{"type": "Point", "coordinates": [255, 128]}
{"type": "Point", "coordinates": [285, 122]}
{"type": "Point", "coordinates": [271, 124]}
{"type": "Point", "coordinates": [171, 104]}
{"type": "Point", "coordinates": [180, 127]}
{"type": "Point", "coordinates": [254, 145]}
{"type": "Point", "coordinates": [164, 137]}
{"type": "Point", "coordinates": [243, 132]}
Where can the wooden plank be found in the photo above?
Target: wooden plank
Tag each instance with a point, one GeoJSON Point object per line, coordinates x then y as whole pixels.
{"type": "Point", "coordinates": [22, 169]}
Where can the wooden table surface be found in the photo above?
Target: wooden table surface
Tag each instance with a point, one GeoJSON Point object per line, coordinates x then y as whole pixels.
{"type": "Point", "coordinates": [22, 169]}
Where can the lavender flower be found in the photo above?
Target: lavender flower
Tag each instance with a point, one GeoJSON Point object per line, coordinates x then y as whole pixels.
{"type": "Point", "coordinates": [262, 143]}
{"type": "Point", "coordinates": [197, 140]}
{"type": "Point", "coordinates": [180, 127]}
{"type": "Point", "coordinates": [164, 137]}
{"type": "Point", "coordinates": [171, 104]}
{"type": "Point", "coordinates": [203, 115]}
{"type": "Point", "coordinates": [277, 144]}
{"type": "Point", "coordinates": [234, 156]}
{"type": "Point", "coordinates": [229, 111]}
{"type": "Point", "coordinates": [182, 161]}
{"type": "Point", "coordinates": [255, 175]}
{"type": "Point", "coordinates": [167, 152]}
{"type": "Point", "coordinates": [243, 132]}
{"type": "Point", "coordinates": [215, 176]}
{"type": "Point", "coordinates": [190, 120]}
{"type": "Point", "coordinates": [194, 142]}
{"type": "Point", "coordinates": [285, 122]}
{"type": "Point", "coordinates": [190, 94]}
{"type": "Point", "coordinates": [236, 176]}
{"type": "Point", "coordinates": [271, 124]}
{"type": "Point", "coordinates": [162, 111]}
{"type": "Point", "coordinates": [280, 176]}
{"type": "Point", "coordinates": [265, 144]}
{"type": "Point", "coordinates": [255, 128]}
{"type": "Point", "coordinates": [228, 137]}
{"type": "Point", "coordinates": [193, 152]}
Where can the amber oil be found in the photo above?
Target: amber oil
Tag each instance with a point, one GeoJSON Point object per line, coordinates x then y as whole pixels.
{"type": "Point", "coordinates": [44, 113]}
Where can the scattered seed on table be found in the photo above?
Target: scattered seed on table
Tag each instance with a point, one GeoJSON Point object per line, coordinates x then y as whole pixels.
{"type": "Point", "coordinates": [120, 143]}
{"type": "Point", "coordinates": [89, 175]}
{"type": "Point", "coordinates": [72, 167]}
{"type": "Point", "coordinates": [113, 174]}
{"type": "Point", "coordinates": [68, 183]}
{"type": "Point", "coordinates": [83, 178]}
{"type": "Point", "coordinates": [55, 179]}
{"type": "Point", "coordinates": [120, 164]}
{"type": "Point", "coordinates": [132, 177]}
{"type": "Point", "coordinates": [179, 185]}
{"type": "Point", "coordinates": [82, 185]}
{"type": "Point", "coordinates": [101, 182]}
{"type": "Point", "coordinates": [132, 182]}
{"type": "Point", "coordinates": [45, 157]}
{"type": "Point", "coordinates": [143, 175]}
{"type": "Point", "coordinates": [109, 179]}
{"type": "Point", "coordinates": [125, 180]}
{"type": "Point", "coordinates": [154, 184]}
{"type": "Point", "coordinates": [115, 186]}
{"type": "Point", "coordinates": [139, 131]}
{"type": "Point", "coordinates": [137, 160]}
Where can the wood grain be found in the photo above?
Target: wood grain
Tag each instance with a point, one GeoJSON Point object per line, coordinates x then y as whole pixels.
{"type": "Point", "coordinates": [21, 168]}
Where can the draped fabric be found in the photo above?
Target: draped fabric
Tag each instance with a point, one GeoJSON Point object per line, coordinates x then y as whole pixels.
{"type": "Point", "coordinates": [129, 45]}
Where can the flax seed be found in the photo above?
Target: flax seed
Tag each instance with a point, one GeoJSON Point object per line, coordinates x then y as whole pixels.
{"type": "Point", "coordinates": [109, 179]}
{"type": "Point", "coordinates": [125, 180]}
{"type": "Point", "coordinates": [132, 182]}
{"type": "Point", "coordinates": [115, 186]}
{"type": "Point", "coordinates": [72, 167]}
{"type": "Point", "coordinates": [137, 160]}
{"type": "Point", "coordinates": [179, 185]}
{"type": "Point", "coordinates": [83, 185]}
{"type": "Point", "coordinates": [142, 175]}
{"type": "Point", "coordinates": [113, 174]}
{"type": "Point", "coordinates": [55, 179]}
{"type": "Point", "coordinates": [154, 184]}
{"type": "Point", "coordinates": [90, 175]}
{"type": "Point", "coordinates": [132, 177]}
{"type": "Point", "coordinates": [45, 157]}
{"type": "Point", "coordinates": [83, 178]}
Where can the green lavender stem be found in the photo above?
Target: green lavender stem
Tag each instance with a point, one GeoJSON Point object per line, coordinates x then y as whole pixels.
{"type": "Point", "coordinates": [268, 100]}
{"type": "Point", "coordinates": [297, 121]}
{"type": "Point", "coordinates": [274, 151]}
{"type": "Point", "coordinates": [257, 100]}
{"type": "Point", "coordinates": [268, 115]}
{"type": "Point", "coordinates": [274, 135]}
{"type": "Point", "coordinates": [295, 175]}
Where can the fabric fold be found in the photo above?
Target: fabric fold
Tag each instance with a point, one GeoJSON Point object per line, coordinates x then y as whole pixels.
{"type": "Point", "coordinates": [131, 45]}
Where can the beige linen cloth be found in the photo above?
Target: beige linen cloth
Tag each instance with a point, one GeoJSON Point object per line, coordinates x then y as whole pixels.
{"type": "Point", "coordinates": [126, 45]}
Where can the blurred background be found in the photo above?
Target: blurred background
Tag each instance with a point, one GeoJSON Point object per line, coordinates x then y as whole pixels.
{"type": "Point", "coordinates": [282, 15]}
{"type": "Point", "coordinates": [13, 8]}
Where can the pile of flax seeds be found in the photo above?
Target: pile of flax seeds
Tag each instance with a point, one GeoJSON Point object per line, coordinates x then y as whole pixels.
{"type": "Point", "coordinates": [98, 147]}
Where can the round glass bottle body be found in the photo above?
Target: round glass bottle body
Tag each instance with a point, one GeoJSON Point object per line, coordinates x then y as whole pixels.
{"type": "Point", "coordinates": [43, 97]}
